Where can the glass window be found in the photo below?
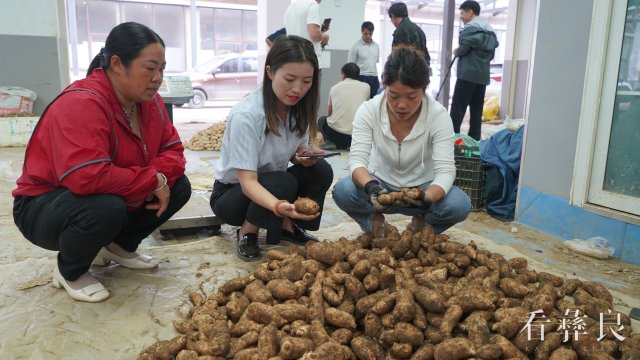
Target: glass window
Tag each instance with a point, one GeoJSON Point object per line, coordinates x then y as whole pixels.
{"type": "Point", "coordinates": [250, 26]}
{"type": "Point", "coordinates": [103, 16]}
{"type": "Point", "coordinates": [229, 66]}
{"type": "Point", "coordinates": [227, 47]}
{"type": "Point", "coordinates": [82, 29]}
{"type": "Point", "coordinates": [249, 65]}
{"type": "Point", "coordinates": [623, 162]}
{"type": "Point", "coordinates": [138, 12]}
{"type": "Point", "coordinates": [206, 29]}
{"type": "Point", "coordinates": [169, 24]}
{"type": "Point", "coordinates": [434, 40]}
{"type": "Point", "coordinates": [227, 24]}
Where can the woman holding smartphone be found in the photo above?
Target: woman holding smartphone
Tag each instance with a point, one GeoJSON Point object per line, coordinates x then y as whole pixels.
{"type": "Point", "coordinates": [266, 131]}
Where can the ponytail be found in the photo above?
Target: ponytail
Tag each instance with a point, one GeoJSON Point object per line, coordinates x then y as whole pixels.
{"type": "Point", "coordinates": [98, 61]}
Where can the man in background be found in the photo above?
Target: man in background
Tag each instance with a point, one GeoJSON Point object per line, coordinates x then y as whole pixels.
{"type": "Point", "coordinates": [366, 53]}
{"type": "Point", "coordinates": [477, 47]}
{"type": "Point", "coordinates": [407, 32]}
{"type": "Point", "coordinates": [344, 99]}
{"type": "Point", "coordinates": [302, 18]}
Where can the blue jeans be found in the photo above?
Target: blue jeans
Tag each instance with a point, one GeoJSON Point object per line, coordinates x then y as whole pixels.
{"type": "Point", "coordinates": [442, 215]}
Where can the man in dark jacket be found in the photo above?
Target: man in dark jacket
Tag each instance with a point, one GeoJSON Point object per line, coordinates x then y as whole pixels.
{"type": "Point", "coordinates": [477, 47]}
{"type": "Point", "coordinates": [407, 33]}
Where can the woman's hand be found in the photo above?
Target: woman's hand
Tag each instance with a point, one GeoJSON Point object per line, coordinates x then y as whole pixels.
{"type": "Point", "coordinates": [162, 193]}
{"type": "Point", "coordinates": [299, 156]}
{"type": "Point", "coordinates": [287, 209]}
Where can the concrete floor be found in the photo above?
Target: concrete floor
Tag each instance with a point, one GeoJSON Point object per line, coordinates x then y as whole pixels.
{"type": "Point", "coordinates": [40, 322]}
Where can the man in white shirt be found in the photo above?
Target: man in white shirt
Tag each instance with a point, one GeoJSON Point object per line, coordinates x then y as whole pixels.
{"type": "Point", "coordinates": [366, 53]}
{"type": "Point", "coordinates": [302, 18]}
{"type": "Point", "coordinates": [345, 98]}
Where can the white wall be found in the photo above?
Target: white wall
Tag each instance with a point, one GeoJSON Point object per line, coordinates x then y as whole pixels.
{"type": "Point", "coordinates": [34, 48]}
{"type": "Point", "coordinates": [555, 99]}
{"type": "Point", "coordinates": [30, 17]}
{"type": "Point", "coordinates": [346, 18]}
{"type": "Point", "coordinates": [518, 50]}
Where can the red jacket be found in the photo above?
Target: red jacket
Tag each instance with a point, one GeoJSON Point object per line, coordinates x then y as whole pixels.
{"type": "Point", "coordinates": [83, 142]}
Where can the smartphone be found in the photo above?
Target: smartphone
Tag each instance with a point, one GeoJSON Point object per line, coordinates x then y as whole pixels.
{"type": "Point", "coordinates": [325, 24]}
{"type": "Point", "coordinates": [635, 313]}
{"type": "Point", "coordinates": [311, 156]}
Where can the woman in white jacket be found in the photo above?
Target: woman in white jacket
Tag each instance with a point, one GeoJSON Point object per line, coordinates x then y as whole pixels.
{"type": "Point", "coordinates": [402, 138]}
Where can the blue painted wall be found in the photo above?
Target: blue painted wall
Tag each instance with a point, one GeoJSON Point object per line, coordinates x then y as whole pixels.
{"type": "Point", "coordinates": [555, 216]}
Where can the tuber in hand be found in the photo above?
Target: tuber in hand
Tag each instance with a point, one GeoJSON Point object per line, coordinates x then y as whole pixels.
{"type": "Point", "coordinates": [306, 206]}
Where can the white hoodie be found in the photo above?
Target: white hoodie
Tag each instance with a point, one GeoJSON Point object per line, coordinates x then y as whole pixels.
{"type": "Point", "coordinates": [426, 154]}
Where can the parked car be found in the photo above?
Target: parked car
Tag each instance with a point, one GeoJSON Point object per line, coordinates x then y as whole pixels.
{"type": "Point", "coordinates": [224, 77]}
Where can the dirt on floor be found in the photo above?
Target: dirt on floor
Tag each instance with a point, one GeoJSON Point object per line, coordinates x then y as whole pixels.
{"type": "Point", "coordinates": [39, 321]}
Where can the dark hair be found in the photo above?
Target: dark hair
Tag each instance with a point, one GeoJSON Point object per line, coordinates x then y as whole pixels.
{"type": "Point", "coordinates": [351, 70]}
{"type": "Point", "coordinates": [292, 49]}
{"type": "Point", "coordinates": [125, 41]}
{"type": "Point", "coordinates": [367, 25]}
{"type": "Point", "coordinates": [407, 65]}
{"type": "Point", "coordinates": [471, 5]}
{"type": "Point", "coordinates": [398, 9]}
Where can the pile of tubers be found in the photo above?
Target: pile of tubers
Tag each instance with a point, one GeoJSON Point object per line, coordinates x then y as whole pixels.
{"type": "Point", "coordinates": [398, 296]}
{"type": "Point", "coordinates": [209, 139]}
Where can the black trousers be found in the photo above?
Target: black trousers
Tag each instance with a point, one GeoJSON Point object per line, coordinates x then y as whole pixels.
{"type": "Point", "coordinates": [468, 94]}
{"type": "Point", "coordinates": [374, 84]}
{"type": "Point", "coordinates": [341, 140]}
{"type": "Point", "coordinates": [230, 204]}
{"type": "Point", "coordinates": [78, 226]}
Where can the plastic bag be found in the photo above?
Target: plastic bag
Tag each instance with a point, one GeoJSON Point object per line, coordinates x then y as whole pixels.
{"type": "Point", "coordinates": [491, 108]}
{"type": "Point", "coordinates": [514, 124]}
{"type": "Point", "coordinates": [16, 100]}
{"type": "Point", "coordinates": [594, 247]}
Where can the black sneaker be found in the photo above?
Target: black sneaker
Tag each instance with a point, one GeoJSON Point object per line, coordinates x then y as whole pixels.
{"type": "Point", "coordinates": [298, 236]}
{"type": "Point", "coordinates": [248, 249]}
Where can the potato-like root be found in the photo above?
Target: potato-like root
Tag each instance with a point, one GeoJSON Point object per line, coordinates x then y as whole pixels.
{"type": "Point", "coordinates": [166, 349]}
{"type": "Point", "coordinates": [243, 342]}
{"type": "Point", "coordinates": [306, 206]}
{"type": "Point", "coordinates": [563, 353]}
{"type": "Point", "coordinates": [450, 319]}
{"type": "Point", "coordinates": [508, 349]}
{"type": "Point", "coordinates": [424, 352]}
{"type": "Point", "coordinates": [366, 348]}
{"type": "Point", "coordinates": [597, 290]}
{"type": "Point", "coordinates": [339, 318]}
{"type": "Point", "coordinates": [514, 289]}
{"type": "Point", "coordinates": [454, 349]}
{"type": "Point", "coordinates": [268, 342]}
{"type": "Point", "coordinates": [294, 348]}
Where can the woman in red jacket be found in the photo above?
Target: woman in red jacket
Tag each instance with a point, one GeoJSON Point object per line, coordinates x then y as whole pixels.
{"type": "Point", "coordinates": [104, 166]}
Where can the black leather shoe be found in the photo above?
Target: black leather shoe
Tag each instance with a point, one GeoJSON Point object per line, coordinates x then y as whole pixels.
{"type": "Point", "coordinates": [248, 249]}
{"type": "Point", "coordinates": [298, 236]}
